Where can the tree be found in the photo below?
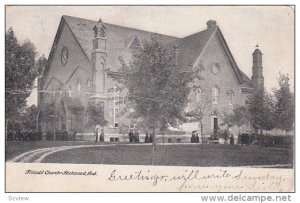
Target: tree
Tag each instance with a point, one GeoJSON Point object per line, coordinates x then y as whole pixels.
{"type": "Point", "coordinates": [261, 108]}
{"type": "Point", "coordinates": [29, 118]}
{"type": "Point", "coordinates": [239, 116]}
{"type": "Point", "coordinates": [157, 88]}
{"type": "Point", "coordinates": [200, 110]}
{"type": "Point", "coordinates": [20, 72]}
{"type": "Point", "coordinates": [95, 114]}
{"type": "Point", "coordinates": [284, 105]}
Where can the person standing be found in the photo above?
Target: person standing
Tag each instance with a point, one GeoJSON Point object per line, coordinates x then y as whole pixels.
{"type": "Point", "coordinates": [193, 137]}
{"type": "Point", "coordinates": [96, 133]}
{"type": "Point", "coordinates": [197, 137]}
{"type": "Point", "coordinates": [102, 136]}
{"type": "Point", "coordinates": [130, 135]}
{"type": "Point", "coordinates": [97, 129]}
{"type": "Point", "coordinates": [137, 136]}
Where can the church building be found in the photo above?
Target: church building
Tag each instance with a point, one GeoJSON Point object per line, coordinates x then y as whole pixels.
{"type": "Point", "coordinates": [86, 54]}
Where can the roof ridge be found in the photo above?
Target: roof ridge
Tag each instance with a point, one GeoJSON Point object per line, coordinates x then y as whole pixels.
{"type": "Point", "coordinates": [121, 26]}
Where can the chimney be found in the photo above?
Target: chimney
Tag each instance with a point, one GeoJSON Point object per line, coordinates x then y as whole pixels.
{"type": "Point", "coordinates": [211, 24]}
{"type": "Point", "coordinates": [257, 69]}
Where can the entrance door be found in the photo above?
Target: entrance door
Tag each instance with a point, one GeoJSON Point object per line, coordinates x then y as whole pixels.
{"type": "Point", "coordinates": [215, 126]}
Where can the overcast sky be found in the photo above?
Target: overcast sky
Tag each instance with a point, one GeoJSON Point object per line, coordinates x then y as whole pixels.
{"type": "Point", "coordinates": [243, 27]}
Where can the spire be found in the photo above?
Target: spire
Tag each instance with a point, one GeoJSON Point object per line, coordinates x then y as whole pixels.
{"type": "Point", "coordinates": [257, 51]}
{"type": "Point", "coordinates": [100, 29]}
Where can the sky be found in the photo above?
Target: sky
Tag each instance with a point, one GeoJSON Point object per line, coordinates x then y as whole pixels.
{"type": "Point", "coordinates": [271, 27]}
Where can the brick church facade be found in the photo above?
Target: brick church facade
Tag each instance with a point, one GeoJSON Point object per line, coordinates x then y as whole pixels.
{"type": "Point", "coordinates": [86, 54]}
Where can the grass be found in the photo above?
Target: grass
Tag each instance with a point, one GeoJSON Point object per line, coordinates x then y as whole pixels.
{"type": "Point", "coordinates": [176, 155]}
{"type": "Point", "coordinates": [13, 149]}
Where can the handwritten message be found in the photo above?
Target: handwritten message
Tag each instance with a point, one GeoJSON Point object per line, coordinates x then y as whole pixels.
{"type": "Point", "coordinates": [119, 178]}
{"type": "Point", "coordinates": [195, 180]}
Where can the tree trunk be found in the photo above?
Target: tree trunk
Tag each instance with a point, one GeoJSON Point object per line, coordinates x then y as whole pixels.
{"type": "Point", "coordinates": [153, 146]}
{"type": "Point", "coordinates": [6, 124]}
{"type": "Point", "coordinates": [14, 133]}
{"type": "Point", "coordinates": [261, 131]}
{"type": "Point", "coordinates": [54, 135]}
{"type": "Point", "coordinates": [286, 133]}
{"type": "Point", "coordinates": [202, 136]}
{"type": "Point", "coordinates": [154, 140]}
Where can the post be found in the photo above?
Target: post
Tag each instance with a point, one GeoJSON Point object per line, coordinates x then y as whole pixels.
{"type": "Point", "coordinates": [153, 146]}
{"type": "Point", "coordinates": [202, 138]}
{"type": "Point", "coordinates": [54, 135]}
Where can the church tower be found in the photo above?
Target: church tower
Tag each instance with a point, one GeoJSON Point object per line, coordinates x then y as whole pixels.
{"type": "Point", "coordinates": [257, 69]}
{"type": "Point", "coordinates": [99, 56]}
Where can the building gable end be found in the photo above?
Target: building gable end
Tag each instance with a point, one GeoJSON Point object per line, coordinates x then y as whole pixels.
{"type": "Point", "coordinates": [76, 70]}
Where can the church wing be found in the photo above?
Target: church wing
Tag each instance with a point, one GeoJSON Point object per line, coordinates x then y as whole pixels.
{"type": "Point", "coordinates": [65, 56]}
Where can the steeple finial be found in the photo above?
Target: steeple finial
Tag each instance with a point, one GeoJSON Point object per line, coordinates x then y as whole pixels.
{"type": "Point", "coordinates": [100, 29]}
{"type": "Point", "coordinates": [257, 46]}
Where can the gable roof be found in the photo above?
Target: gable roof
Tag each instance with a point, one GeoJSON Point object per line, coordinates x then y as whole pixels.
{"type": "Point", "coordinates": [118, 38]}
{"type": "Point", "coordinates": [78, 67]}
{"type": "Point", "coordinates": [190, 48]}
{"type": "Point", "coordinates": [53, 79]}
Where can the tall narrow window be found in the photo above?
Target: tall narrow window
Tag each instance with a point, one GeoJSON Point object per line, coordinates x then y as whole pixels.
{"type": "Point", "coordinates": [70, 91]}
{"type": "Point", "coordinates": [88, 83]}
{"type": "Point", "coordinates": [230, 97]}
{"type": "Point", "coordinates": [199, 95]}
{"type": "Point", "coordinates": [215, 92]}
{"type": "Point", "coordinates": [78, 87]}
{"type": "Point", "coordinates": [60, 92]}
{"type": "Point", "coordinates": [53, 94]}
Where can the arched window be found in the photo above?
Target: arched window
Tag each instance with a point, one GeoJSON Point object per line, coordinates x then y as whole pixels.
{"type": "Point", "coordinates": [215, 94]}
{"type": "Point", "coordinates": [102, 32]}
{"type": "Point", "coordinates": [230, 95]}
{"type": "Point", "coordinates": [78, 87]}
{"type": "Point", "coordinates": [199, 92]}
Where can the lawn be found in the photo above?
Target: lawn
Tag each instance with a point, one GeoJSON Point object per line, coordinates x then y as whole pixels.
{"type": "Point", "coordinates": [176, 155]}
{"type": "Point", "coordinates": [13, 149]}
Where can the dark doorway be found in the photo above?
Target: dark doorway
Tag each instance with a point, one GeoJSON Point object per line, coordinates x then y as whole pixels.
{"type": "Point", "coordinates": [215, 127]}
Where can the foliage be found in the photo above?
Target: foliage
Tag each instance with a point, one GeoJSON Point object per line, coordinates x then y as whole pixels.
{"type": "Point", "coordinates": [20, 72]}
{"type": "Point", "coordinates": [29, 118]}
{"type": "Point", "coordinates": [261, 108]}
{"type": "Point", "coordinates": [238, 117]}
{"type": "Point", "coordinates": [95, 114]}
{"type": "Point", "coordinates": [284, 105]}
{"type": "Point", "coordinates": [200, 110]}
{"type": "Point", "coordinates": [157, 88]}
